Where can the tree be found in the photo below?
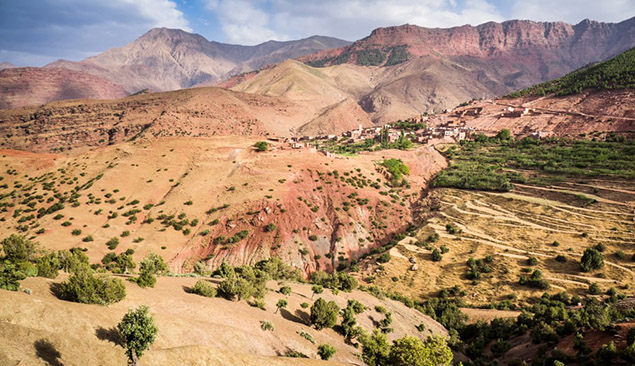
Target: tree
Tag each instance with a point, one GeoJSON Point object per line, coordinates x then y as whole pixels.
{"type": "Point", "coordinates": [326, 351]}
{"type": "Point", "coordinates": [375, 349]}
{"type": "Point", "coordinates": [18, 248]}
{"type": "Point", "coordinates": [138, 331]}
{"type": "Point", "coordinates": [591, 259]}
{"type": "Point", "coordinates": [316, 289]}
{"type": "Point", "coordinates": [281, 304]}
{"type": "Point", "coordinates": [348, 325]}
{"type": "Point", "coordinates": [261, 146]}
{"type": "Point", "coordinates": [324, 314]}
{"type": "Point", "coordinates": [150, 266]}
{"type": "Point", "coordinates": [412, 351]}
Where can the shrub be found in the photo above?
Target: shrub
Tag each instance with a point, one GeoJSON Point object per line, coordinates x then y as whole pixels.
{"type": "Point", "coordinates": [313, 237]}
{"type": "Point", "coordinates": [324, 314]}
{"type": "Point", "coordinates": [267, 325]}
{"type": "Point", "coordinates": [113, 243]}
{"type": "Point", "coordinates": [532, 261]}
{"type": "Point", "coordinates": [436, 255]}
{"type": "Point", "coordinates": [138, 331]}
{"type": "Point", "coordinates": [535, 280]}
{"type": "Point", "coordinates": [285, 290]}
{"type": "Point", "coordinates": [204, 288]}
{"type": "Point", "coordinates": [261, 146]}
{"type": "Point", "coordinates": [149, 267]}
{"type": "Point", "coordinates": [409, 351]}
{"type": "Point", "coordinates": [326, 351]}
{"type": "Point", "coordinates": [384, 258]}
{"type": "Point", "coordinates": [594, 288]}
{"type": "Point", "coordinates": [76, 232]}
{"type": "Point", "coordinates": [561, 258]}
{"type": "Point", "coordinates": [85, 287]}
{"type": "Point", "coordinates": [591, 260]}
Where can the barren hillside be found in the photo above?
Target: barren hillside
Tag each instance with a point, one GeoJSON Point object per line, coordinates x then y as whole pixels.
{"type": "Point", "coordinates": [192, 329]}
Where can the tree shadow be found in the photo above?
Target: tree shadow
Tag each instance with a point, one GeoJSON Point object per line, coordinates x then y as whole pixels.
{"type": "Point", "coordinates": [288, 316]}
{"type": "Point", "coordinates": [304, 316]}
{"type": "Point", "coordinates": [111, 335]}
{"type": "Point", "coordinates": [47, 352]}
{"type": "Point", "coordinates": [56, 290]}
{"type": "Point", "coordinates": [187, 289]}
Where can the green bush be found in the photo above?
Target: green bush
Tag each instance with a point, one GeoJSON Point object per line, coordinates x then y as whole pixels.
{"type": "Point", "coordinates": [85, 287]}
{"type": "Point", "coordinates": [326, 351]}
{"type": "Point", "coordinates": [204, 288]}
{"type": "Point", "coordinates": [409, 351]}
{"type": "Point", "coordinates": [261, 146]}
{"type": "Point", "coordinates": [591, 260]}
{"type": "Point", "coordinates": [324, 314]}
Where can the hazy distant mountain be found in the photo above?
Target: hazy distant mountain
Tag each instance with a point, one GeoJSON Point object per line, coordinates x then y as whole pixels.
{"type": "Point", "coordinates": [169, 59]}
{"type": "Point", "coordinates": [6, 65]}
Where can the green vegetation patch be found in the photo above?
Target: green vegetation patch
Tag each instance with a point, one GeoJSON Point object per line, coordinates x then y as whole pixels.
{"type": "Point", "coordinates": [493, 164]}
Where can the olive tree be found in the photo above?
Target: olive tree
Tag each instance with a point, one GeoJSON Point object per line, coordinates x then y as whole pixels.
{"type": "Point", "coordinates": [138, 331]}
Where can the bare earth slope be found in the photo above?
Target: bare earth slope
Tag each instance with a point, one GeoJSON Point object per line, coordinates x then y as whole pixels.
{"type": "Point", "coordinates": [32, 86]}
{"type": "Point", "coordinates": [193, 330]}
{"type": "Point", "coordinates": [221, 187]}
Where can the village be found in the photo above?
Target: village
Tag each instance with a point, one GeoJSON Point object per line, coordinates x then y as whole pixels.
{"type": "Point", "coordinates": [451, 126]}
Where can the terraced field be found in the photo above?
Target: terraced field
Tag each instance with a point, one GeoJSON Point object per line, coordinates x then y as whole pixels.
{"type": "Point", "coordinates": [541, 223]}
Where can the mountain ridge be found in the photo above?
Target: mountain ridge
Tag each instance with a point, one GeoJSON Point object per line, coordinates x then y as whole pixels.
{"type": "Point", "coordinates": [183, 59]}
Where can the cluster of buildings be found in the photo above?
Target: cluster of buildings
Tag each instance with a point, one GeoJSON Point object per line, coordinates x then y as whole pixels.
{"type": "Point", "coordinates": [457, 130]}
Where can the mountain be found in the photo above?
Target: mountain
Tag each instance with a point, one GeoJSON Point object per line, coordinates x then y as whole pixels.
{"type": "Point", "coordinates": [169, 59]}
{"type": "Point", "coordinates": [616, 73]}
{"type": "Point", "coordinates": [417, 69]}
{"type": "Point", "coordinates": [32, 86]}
{"type": "Point", "coordinates": [6, 65]}
{"type": "Point", "coordinates": [596, 100]}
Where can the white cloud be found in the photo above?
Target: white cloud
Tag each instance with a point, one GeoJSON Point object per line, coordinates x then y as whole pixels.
{"type": "Point", "coordinates": [159, 13]}
{"type": "Point", "coordinates": [73, 29]}
{"type": "Point", "coordinates": [252, 21]}
{"type": "Point", "coordinates": [573, 11]}
{"type": "Point", "coordinates": [243, 21]}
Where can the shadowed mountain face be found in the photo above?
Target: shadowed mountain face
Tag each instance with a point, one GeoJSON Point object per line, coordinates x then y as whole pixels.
{"type": "Point", "coordinates": [169, 59]}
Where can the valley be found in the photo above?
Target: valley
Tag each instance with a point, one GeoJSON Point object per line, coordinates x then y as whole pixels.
{"type": "Point", "coordinates": [459, 196]}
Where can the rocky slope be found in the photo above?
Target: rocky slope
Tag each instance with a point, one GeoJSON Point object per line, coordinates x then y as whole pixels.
{"type": "Point", "coordinates": [32, 86]}
{"type": "Point", "coordinates": [424, 70]}
{"type": "Point", "coordinates": [324, 210]}
{"type": "Point", "coordinates": [169, 59]}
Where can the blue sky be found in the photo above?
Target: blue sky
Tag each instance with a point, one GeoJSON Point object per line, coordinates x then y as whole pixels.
{"type": "Point", "coordinates": [36, 32]}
